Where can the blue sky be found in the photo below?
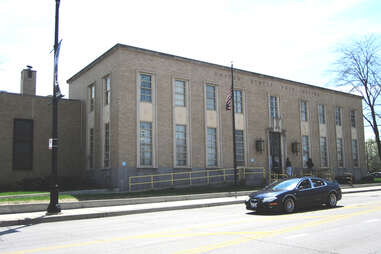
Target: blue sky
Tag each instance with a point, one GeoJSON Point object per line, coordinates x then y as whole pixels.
{"type": "Point", "coordinates": [293, 39]}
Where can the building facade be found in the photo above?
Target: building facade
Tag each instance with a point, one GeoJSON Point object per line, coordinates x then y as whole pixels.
{"type": "Point", "coordinates": [146, 112]}
{"type": "Point", "coordinates": [25, 130]}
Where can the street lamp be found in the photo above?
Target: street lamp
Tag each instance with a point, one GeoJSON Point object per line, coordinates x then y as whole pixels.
{"type": "Point", "coordinates": [54, 207]}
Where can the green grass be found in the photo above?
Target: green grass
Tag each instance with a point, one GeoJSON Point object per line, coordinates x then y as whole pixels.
{"type": "Point", "coordinates": [101, 196]}
{"type": "Point", "coordinates": [33, 199]}
{"type": "Point", "coordinates": [20, 193]}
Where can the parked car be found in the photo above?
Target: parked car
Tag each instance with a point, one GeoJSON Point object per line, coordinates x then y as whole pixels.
{"type": "Point", "coordinates": [290, 194]}
{"type": "Point", "coordinates": [372, 177]}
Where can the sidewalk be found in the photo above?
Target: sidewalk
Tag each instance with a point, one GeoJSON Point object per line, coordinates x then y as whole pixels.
{"type": "Point", "coordinates": [96, 209]}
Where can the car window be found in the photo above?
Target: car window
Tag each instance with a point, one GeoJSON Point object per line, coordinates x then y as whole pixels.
{"type": "Point", "coordinates": [306, 184]}
{"type": "Point", "coordinates": [317, 182]}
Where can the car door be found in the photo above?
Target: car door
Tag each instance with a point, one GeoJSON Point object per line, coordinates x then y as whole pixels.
{"type": "Point", "coordinates": [320, 191]}
{"type": "Point", "coordinates": [303, 193]}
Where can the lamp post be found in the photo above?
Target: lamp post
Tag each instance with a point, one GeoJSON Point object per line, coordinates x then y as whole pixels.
{"type": "Point", "coordinates": [54, 207]}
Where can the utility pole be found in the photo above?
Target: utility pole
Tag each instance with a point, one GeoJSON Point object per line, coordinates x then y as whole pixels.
{"type": "Point", "coordinates": [233, 117]}
{"type": "Point", "coordinates": [54, 207]}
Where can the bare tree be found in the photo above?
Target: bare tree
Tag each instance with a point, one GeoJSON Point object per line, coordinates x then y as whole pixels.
{"type": "Point", "coordinates": [359, 67]}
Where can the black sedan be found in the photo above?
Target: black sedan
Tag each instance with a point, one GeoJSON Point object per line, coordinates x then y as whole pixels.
{"type": "Point", "coordinates": [289, 194]}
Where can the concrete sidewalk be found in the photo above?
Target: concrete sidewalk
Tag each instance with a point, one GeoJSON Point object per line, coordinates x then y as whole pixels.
{"type": "Point", "coordinates": [143, 205]}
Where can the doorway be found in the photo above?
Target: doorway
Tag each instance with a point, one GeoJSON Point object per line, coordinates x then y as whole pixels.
{"type": "Point", "coordinates": [275, 153]}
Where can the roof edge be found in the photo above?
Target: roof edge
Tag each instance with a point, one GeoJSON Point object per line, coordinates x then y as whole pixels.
{"type": "Point", "coordinates": [119, 45]}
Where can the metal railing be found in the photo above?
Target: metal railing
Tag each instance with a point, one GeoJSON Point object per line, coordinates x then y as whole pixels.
{"type": "Point", "coordinates": [199, 177]}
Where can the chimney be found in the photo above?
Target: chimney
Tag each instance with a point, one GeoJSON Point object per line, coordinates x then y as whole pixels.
{"type": "Point", "coordinates": [28, 81]}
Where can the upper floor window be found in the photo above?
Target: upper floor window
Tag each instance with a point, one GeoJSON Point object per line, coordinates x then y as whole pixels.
{"type": "Point", "coordinates": [321, 111]}
{"type": "Point", "coordinates": [274, 107]}
{"type": "Point", "coordinates": [237, 101]}
{"type": "Point", "coordinates": [92, 97]}
{"type": "Point", "coordinates": [353, 118]}
{"type": "Point", "coordinates": [303, 111]}
{"type": "Point", "coordinates": [22, 144]}
{"type": "Point", "coordinates": [180, 93]}
{"type": "Point", "coordinates": [338, 116]}
{"type": "Point", "coordinates": [107, 90]}
{"type": "Point", "coordinates": [145, 88]}
{"type": "Point", "coordinates": [210, 97]}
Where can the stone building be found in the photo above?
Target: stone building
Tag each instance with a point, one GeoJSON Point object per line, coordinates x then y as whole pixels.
{"type": "Point", "coordinates": [25, 129]}
{"type": "Point", "coordinates": [146, 112]}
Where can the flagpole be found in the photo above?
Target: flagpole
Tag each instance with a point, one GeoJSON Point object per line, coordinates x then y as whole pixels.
{"type": "Point", "coordinates": [54, 207]}
{"type": "Point", "coordinates": [233, 117]}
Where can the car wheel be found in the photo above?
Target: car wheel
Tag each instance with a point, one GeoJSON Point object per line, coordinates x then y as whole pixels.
{"type": "Point", "coordinates": [332, 200]}
{"type": "Point", "coordinates": [289, 205]}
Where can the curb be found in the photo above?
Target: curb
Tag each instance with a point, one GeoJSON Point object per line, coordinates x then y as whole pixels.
{"type": "Point", "coordinates": [61, 217]}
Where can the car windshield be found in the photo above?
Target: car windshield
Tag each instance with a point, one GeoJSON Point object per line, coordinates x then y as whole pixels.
{"type": "Point", "coordinates": [284, 185]}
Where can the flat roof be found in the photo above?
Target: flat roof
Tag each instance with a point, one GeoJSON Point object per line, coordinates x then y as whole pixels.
{"type": "Point", "coordinates": [121, 46]}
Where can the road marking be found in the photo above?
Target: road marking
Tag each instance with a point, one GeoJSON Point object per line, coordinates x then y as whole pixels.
{"type": "Point", "coordinates": [295, 236]}
{"type": "Point", "coordinates": [371, 221]}
{"type": "Point", "coordinates": [186, 233]}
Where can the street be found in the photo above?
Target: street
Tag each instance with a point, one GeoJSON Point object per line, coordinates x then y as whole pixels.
{"type": "Point", "coordinates": [353, 227]}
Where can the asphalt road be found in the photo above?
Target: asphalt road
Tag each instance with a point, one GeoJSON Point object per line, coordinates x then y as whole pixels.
{"type": "Point", "coordinates": [353, 227]}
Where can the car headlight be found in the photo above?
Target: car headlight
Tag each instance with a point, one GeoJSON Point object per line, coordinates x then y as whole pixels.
{"type": "Point", "coordinates": [248, 199]}
{"type": "Point", "coordinates": [269, 199]}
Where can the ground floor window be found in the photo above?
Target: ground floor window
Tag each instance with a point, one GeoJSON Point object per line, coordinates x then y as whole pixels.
{"type": "Point", "coordinates": [323, 152]}
{"type": "Point", "coordinates": [355, 155]}
{"type": "Point", "coordinates": [22, 144]}
{"type": "Point", "coordinates": [212, 147]}
{"type": "Point", "coordinates": [339, 148]}
{"type": "Point", "coordinates": [239, 148]}
{"type": "Point", "coordinates": [146, 144]}
{"type": "Point", "coordinates": [305, 150]}
{"type": "Point", "coordinates": [181, 145]}
{"type": "Point", "coordinates": [106, 160]}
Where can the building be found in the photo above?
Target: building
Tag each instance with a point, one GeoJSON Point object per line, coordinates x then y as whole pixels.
{"type": "Point", "coordinates": [25, 130]}
{"type": "Point", "coordinates": [146, 112]}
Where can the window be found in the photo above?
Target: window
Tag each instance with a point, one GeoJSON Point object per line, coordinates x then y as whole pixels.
{"type": "Point", "coordinates": [107, 90]}
{"type": "Point", "coordinates": [355, 156]}
{"type": "Point", "coordinates": [92, 97]}
{"type": "Point", "coordinates": [323, 152]}
{"type": "Point", "coordinates": [145, 88]}
{"type": "Point", "coordinates": [237, 101]}
{"type": "Point", "coordinates": [22, 144]}
{"type": "Point", "coordinates": [303, 111]}
{"type": "Point", "coordinates": [212, 147]}
{"type": "Point", "coordinates": [91, 152]}
{"type": "Point", "coordinates": [306, 184]}
{"type": "Point", "coordinates": [180, 93]}
{"type": "Point", "coordinates": [305, 150]}
{"type": "Point", "coordinates": [181, 145]}
{"type": "Point", "coordinates": [338, 116]}
{"type": "Point", "coordinates": [239, 148]}
{"type": "Point", "coordinates": [317, 183]}
{"type": "Point", "coordinates": [146, 143]}
{"type": "Point", "coordinates": [210, 97]}
{"type": "Point", "coordinates": [274, 107]}
{"type": "Point", "coordinates": [353, 118]}
{"type": "Point", "coordinates": [106, 160]}
{"type": "Point", "coordinates": [339, 149]}
{"type": "Point", "coordinates": [321, 109]}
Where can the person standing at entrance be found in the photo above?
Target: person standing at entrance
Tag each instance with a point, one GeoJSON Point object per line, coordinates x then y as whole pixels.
{"type": "Point", "coordinates": [288, 167]}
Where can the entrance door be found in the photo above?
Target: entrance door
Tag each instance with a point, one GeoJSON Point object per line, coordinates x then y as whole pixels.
{"type": "Point", "coordinates": [275, 153]}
